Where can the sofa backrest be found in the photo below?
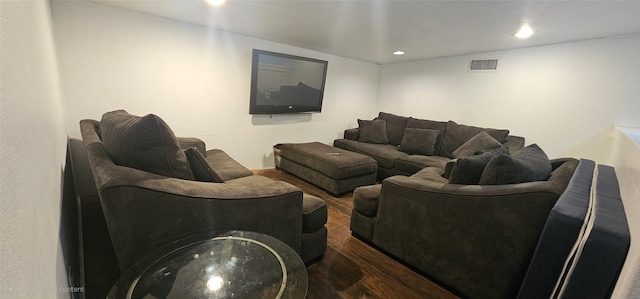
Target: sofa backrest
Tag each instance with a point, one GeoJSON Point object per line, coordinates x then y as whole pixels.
{"type": "Point", "coordinates": [584, 242]}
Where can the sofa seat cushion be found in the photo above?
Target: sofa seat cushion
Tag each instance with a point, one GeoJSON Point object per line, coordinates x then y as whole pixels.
{"type": "Point", "coordinates": [415, 163]}
{"type": "Point", "coordinates": [314, 213]}
{"type": "Point", "coordinates": [145, 143]}
{"type": "Point", "coordinates": [526, 165]}
{"type": "Point", "coordinates": [385, 154]}
{"type": "Point", "coordinates": [433, 174]}
{"type": "Point", "coordinates": [457, 134]}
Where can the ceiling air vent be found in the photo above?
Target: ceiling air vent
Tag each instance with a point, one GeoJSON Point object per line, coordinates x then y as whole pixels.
{"type": "Point", "coordinates": [483, 65]}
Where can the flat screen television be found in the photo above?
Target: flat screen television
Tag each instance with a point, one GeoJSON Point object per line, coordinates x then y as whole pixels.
{"type": "Point", "coordinates": [282, 83]}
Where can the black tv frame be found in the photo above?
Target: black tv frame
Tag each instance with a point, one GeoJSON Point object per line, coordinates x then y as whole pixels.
{"type": "Point", "coordinates": [256, 108]}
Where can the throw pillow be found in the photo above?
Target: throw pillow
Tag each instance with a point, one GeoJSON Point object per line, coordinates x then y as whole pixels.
{"type": "Point", "coordinates": [146, 143]}
{"type": "Point", "coordinates": [419, 141]}
{"type": "Point", "coordinates": [456, 135]}
{"type": "Point", "coordinates": [395, 126]}
{"type": "Point", "coordinates": [372, 131]}
{"type": "Point", "coordinates": [468, 170]}
{"type": "Point", "coordinates": [528, 164]}
{"type": "Point", "coordinates": [202, 171]}
{"type": "Point", "coordinates": [449, 168]}
{"type": "Point", "coordinates": [429, 124]}
{"type": "Point", "coordinates": [480, 142]}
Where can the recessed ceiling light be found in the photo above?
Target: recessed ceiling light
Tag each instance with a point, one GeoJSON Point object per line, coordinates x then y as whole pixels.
{"type": "Point", "coordinates": [524, 32]}
{"type": "Point", "coordinates": [215, 2]}
{"type": "Point", "coordinates": [398, 53]}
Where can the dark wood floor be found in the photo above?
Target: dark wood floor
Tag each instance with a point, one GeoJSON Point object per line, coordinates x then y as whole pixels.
{"type": "Point", "coordinates": [350, 268]}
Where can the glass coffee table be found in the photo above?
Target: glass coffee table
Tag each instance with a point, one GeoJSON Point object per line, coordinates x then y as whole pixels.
{"type": "Point", "coordinates": [231, 264]}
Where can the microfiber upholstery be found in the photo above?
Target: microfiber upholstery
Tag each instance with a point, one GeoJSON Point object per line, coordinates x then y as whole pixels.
{"type": "Point", "coordinates": [478, 143]}
{"type": "Point", "coordinates": [467, 171]}
{"type": "Point", "coordinates": [146, 143]}
{"type": "Point", "coordinates": [385, 154]}
{"type": "Point", "coordinates": [414, 163]}
{"type": "Point", "coordinates": [477, 240]}
{"type": "Point", "coordinates": [395, 126]}
{"type": "Point", "coordinates": [457, 134]}
{"type": "Point", "coordinates": [224, 166]}
{"type": "Point", "coordinates": [574, 259]}
{"type": "Point", "coordinates": [144, 211]}
{"type": "Point", "coordinates": [365, 199]}
{"type": "Point", "coordinates": [441, 126]}
{"type": "Point", "coordinates": [528, 164]}
{"type": "Point", "coordinates": [416, 148]}
{"type": "Point", "coordinates": [373, 131]}
{"type": "Point", "coordinates": [335, 170]}
{"type": "Point", "coordinates": [314, 213]}
{"type": "Point", "coordinates": [419, 141]}
{"type": "Point", "coordinates": [333, 162]}
{"type": "Point", "coordinates": [200, 168]}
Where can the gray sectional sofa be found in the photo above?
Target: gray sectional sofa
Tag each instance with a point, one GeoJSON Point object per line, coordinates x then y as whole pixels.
{"type": "Point", "coordinates": [404, 145]}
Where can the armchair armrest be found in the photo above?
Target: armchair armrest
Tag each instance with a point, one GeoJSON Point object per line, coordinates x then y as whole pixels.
{"type": "Point", "coordinates": [225, 166]}
{"type": "Point", "coordinates": [187, 142]}
{"type": "Point", "coordinates": [351, 134]}
{"type": "Point", "coordinates": [163, 210]}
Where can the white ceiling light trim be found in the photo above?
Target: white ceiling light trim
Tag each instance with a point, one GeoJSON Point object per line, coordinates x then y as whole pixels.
{"type": "Point", "coordinates": [216, 2]}
{"type": "Point", "coordinates": [398, 53]}
{"type": "Point", "coordinates": [524, 32]}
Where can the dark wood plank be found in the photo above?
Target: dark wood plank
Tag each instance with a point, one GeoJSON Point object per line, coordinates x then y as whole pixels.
{"type": "Point", "coordinates": [351, 268]}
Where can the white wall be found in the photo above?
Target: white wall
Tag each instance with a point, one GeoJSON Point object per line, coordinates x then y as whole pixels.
{"type": "Point", "coordinates": [195, 78]}
{"type": "Point", "coordinates": [557, 96]}
{"type": "Point", "coordinates": [625, 158]}
{"type": "Point", "coordinates": [32, 154]}
{"type": "Point", "coordinates": [566, 97]}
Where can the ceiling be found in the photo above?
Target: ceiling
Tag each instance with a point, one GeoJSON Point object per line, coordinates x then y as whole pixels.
{"type": "Point", "coordinates": [372, 30]}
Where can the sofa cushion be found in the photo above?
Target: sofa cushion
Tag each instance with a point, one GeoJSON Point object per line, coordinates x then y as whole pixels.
{"type": "Point", "coordinates": [468, 170]}
{"type": "Point", "coordinates": [314, 213]}
{"type": "Point", "coordinates": [373, 131]}
{"type": "Point", "coordinates": [526, 165]}
{"type": "Point", "coordinates": [419, 141]}
{"type": "Point", "coordinates": [478, 143]}
{"type": "Point", "coordinates": [202, 171]}
{"type": "Point", "coordinates": [429, 124]}
{"type": "Point", "coordinates": [433, 174]}
{"type": "Point", "coordinates": [413, 163]}
{"type": "Point", "coordinates": [457, 134]}
{"type": "Point", "coordinates": [365, 199]}
{"type": "Point", "coordinates": [146, 143]}
{"type": "Point", "coordinates": [395, 126]}
{"type": "Point", "coordinates": [384, 154]}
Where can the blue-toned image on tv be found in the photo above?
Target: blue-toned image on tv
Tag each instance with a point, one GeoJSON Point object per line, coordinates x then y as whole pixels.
{"type": "Point", "coordinates": [282, 83]}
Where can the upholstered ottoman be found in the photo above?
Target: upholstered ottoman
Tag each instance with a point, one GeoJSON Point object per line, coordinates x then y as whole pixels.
{"type": "Point", "coordinates": [335, 170]}
{"type": "Point", "coordinates": [314, 232]}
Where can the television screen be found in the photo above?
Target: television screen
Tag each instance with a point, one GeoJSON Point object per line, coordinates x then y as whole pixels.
{"type": "Point", "coordinates": [282, 83]}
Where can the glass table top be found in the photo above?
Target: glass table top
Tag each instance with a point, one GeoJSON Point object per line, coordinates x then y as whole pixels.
{"type": "Point", "coordinates": [232, 264]}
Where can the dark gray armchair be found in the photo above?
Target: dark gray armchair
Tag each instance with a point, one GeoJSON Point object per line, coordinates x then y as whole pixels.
{"type": "Point", "coordinates": [145, 210]}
